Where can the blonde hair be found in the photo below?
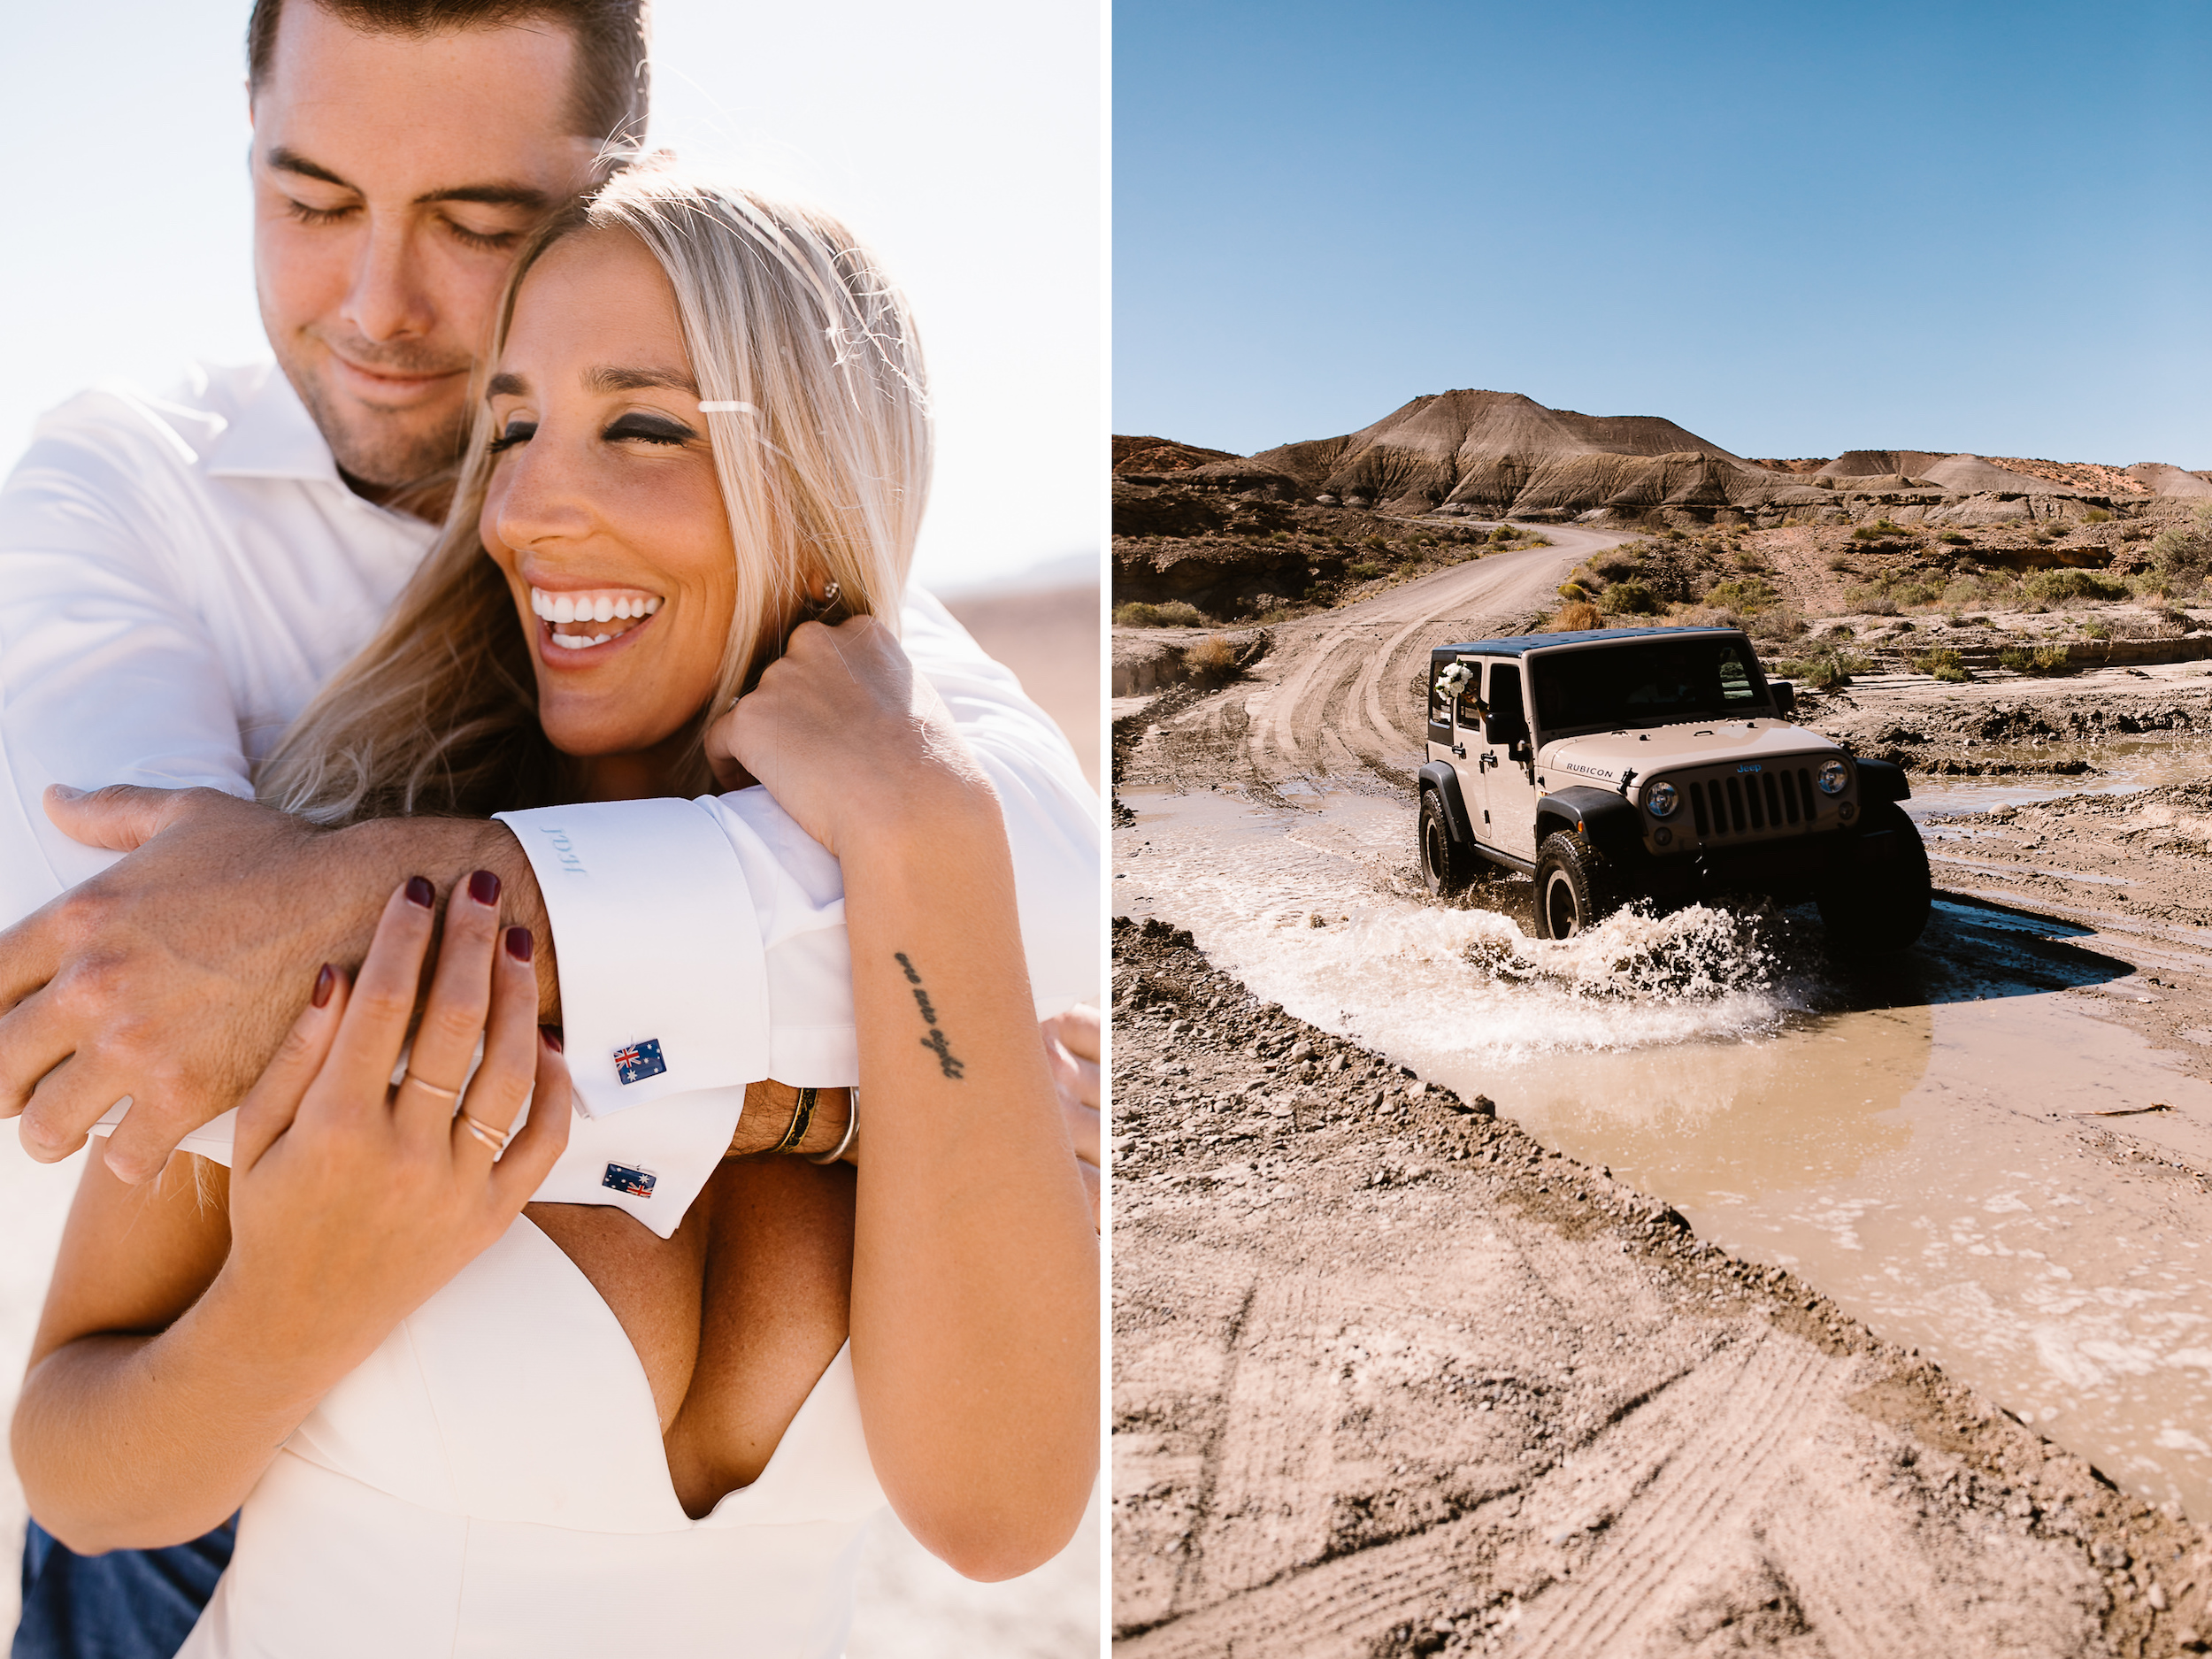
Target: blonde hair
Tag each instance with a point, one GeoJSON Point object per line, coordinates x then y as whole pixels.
{"type": "Point", "coordinates": [822, 450]}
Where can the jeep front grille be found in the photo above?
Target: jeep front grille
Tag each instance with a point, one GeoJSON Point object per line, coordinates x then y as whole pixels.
{"type": "Point", "coordinates": [1735, 805]}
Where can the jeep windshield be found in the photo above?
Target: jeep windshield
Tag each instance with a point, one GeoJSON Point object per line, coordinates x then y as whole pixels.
{"type": "Point", "coordinates": [1648, 682]}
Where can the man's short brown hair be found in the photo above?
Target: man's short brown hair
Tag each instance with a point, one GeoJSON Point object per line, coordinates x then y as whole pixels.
{"type": "Point", "coordinates": [609, 100]}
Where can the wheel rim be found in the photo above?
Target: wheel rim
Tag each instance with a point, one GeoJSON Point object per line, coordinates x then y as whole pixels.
{"type": "Point", "coordinates": [1559, 912]}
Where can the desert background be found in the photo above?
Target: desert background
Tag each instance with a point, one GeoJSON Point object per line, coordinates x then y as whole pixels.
{"type": "Point", "coordinates": [1043, 623]}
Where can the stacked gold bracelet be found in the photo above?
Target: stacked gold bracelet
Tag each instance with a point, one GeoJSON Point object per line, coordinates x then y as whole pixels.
{"type": "Point", "coordinates": [802, 1114]}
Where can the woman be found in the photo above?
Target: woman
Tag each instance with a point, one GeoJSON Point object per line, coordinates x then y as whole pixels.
{"type": "Point", "coordinates": [458, 1420]}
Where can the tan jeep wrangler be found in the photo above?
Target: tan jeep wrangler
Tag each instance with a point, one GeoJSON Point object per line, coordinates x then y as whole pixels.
{"type": "Point", "coordinates": [1658, 765]}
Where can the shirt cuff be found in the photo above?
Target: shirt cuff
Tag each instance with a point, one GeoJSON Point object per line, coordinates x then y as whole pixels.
{"type": "Point", "coordinates": [664, 981]}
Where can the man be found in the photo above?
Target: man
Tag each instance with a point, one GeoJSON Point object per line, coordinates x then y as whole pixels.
{"type": "Point", "coordinates": [184, 572]}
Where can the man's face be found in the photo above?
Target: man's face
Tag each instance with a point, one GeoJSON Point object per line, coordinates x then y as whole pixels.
{"type": "Point", "coordinates": [395, 176]}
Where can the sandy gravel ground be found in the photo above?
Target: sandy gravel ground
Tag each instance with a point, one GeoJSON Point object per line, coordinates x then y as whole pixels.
{"type": "Point", "coordinates": [1391, 1379]}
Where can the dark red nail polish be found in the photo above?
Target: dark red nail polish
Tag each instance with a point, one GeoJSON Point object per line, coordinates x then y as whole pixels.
{"type": "Point", "coordinates": [326, 982]}
{"type": "Point", "coordinates": [484, 889]}
{"type": "Point", "coordinates": [552, 1038]}
{"type": "Point", "coordinates": [421, 892]}
{"type": "Point", "coordinates": [518, 943]}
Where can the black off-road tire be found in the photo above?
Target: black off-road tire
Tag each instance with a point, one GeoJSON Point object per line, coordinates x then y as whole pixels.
{"type": "Point", "coordinates": [1447, 866]}
{"type": "Point", "coordinates": [1574, 889]}
{"type": "Point", "coordinates": [1881, 910]}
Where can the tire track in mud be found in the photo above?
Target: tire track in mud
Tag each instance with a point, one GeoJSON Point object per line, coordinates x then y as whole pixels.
{"type": "Point", "coordinates": [1708, 1476]}
{"type": "Point", "coordinates": [1269, 1488]}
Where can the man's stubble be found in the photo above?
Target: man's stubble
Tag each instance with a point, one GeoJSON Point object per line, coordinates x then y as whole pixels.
{"type": "Point", "coordinates": [383, 453]}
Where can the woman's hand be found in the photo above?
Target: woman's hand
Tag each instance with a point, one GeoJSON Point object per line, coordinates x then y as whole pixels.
{"type": "Point", "coordinates": [1071, 1050]}
{"type": "Point", "coordinates": [846, 737]}
{"type": "Point", "coordinates": [352, 1201]}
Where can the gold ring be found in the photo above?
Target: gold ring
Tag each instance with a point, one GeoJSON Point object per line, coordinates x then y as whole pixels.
{"type": "Point", "coordinates": [496, 1138]}
{"type": "Point", "coordinates": [448, 1093]}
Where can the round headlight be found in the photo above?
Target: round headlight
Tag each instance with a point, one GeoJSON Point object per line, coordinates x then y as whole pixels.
{"type": "Point", "coordinates": [1835, 778]}
{"type": "Point", "coordinates": [1662, 799]}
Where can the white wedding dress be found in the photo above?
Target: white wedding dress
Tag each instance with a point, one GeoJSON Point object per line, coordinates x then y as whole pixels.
{"type": "Point", "coordinates": [492, 1482]}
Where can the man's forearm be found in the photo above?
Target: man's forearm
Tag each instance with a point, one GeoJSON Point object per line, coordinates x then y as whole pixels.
{"type": "Point", "coordinates": [371, 859]}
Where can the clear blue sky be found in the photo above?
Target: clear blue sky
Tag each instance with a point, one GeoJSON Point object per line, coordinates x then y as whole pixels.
{"type": "Point", "coordinates": [1794, 228]}
{"type": "Point", "coordinates": [962, 138]}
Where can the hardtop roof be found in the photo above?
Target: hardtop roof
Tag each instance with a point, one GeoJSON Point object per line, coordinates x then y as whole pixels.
{"type": "Point", "coordinates": [1521, 644]}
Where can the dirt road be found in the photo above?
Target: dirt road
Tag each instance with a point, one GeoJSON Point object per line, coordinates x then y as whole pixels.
{"type": "Point", "coordinates": [1330, 697]}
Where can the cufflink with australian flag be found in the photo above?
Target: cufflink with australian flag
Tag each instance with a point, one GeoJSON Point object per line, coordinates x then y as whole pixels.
{"type": "Point", "coordinates": [635, 1061]}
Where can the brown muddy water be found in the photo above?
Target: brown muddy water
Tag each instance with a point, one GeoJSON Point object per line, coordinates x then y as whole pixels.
{"type": "Point", "coordinates": [1919, 1142]}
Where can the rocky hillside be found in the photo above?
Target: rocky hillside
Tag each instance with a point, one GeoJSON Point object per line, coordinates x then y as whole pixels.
{"type": "Point", "coordinates": [1500, 454]}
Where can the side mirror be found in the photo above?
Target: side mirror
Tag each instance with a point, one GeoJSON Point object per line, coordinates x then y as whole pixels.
{"type": "Point", "coordinates": [1519, 750]}
{"type": "Point", "coordinates": [1785, 698]}
{"type": "Point", "coordinates": [1505, 728]}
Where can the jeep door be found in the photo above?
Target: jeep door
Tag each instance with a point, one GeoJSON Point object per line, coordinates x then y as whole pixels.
{"type": "Point", "coordinates": [1509, 806]}
{"type": "Point", "coordinates": [1466, 718]}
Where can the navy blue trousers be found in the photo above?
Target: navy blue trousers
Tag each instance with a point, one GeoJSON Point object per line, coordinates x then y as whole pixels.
{"type": "Point", "coordinates": [126, 1604]}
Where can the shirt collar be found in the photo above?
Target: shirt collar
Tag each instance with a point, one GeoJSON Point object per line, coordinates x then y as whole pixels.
{"type": "Point", "coordinates": [271, 435]}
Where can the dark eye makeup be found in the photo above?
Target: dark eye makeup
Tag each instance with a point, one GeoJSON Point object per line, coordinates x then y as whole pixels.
{"type": "Point", "coordinates": [635, 426]}
{"type": "Point", "coordinates": [650, 428]}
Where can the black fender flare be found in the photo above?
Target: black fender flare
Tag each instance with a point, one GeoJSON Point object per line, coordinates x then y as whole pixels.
{"type": "Point", "coordinates": [1883, 780]}
{"type": "Point", "coordinates": [1438, 776]}
{"type": "Point", "coordinates": [1606, 820]}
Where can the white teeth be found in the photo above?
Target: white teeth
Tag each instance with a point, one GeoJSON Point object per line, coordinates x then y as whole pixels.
{"type": "Point", "coordinates": [578, 643]}
{"type": "Point", "coordinates": [592, 607]}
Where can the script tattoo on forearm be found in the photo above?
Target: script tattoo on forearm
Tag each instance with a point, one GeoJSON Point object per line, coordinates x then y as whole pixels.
{"type": "Point", "coordinates": [935, 1042]}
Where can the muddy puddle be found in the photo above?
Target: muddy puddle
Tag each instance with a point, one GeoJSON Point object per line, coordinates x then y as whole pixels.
{"type": "Point", "coordinates": [1918, 1142]}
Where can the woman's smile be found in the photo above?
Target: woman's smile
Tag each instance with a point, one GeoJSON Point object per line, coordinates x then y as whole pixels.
{"type": "Point", "coordinates": [579, 620]}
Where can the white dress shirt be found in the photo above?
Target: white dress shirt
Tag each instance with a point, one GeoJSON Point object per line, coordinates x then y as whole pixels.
{"type": "Point", "coordinates": [179, 574]}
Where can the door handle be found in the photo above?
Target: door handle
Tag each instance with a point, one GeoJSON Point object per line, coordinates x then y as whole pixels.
{"type": "Point", "coordinates": [1460, 749]}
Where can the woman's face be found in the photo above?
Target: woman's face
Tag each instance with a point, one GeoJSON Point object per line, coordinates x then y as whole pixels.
{"type": "Point", "coordinates": [602, 508]}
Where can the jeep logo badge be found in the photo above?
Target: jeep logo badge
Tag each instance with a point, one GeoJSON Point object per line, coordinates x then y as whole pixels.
{"type": "Point", "coordinates": [1749, 765]}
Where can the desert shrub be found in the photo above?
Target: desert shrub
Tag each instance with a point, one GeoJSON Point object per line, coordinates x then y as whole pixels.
{"type": "Point", "coordinates": [1841, 565]}
{"type": "Point", "coordinates": [1613, 565]}
{"type": "Point", "coordinates": [1880, 530]}
{"type": "Point", "coordinates": [1746, 593]}
{"type": "Point", "coordinates": [1748, 560]}
{"type": "Point", "coordinates": [2096, 515]}
{"type": "Point", "coordinates": [1363, 571]}
{"type": "Point", "coordinates": [1175, 613]}
{"type": "Point", "coordinates": [2058, 586]}
{"type": "Point", "coordinates": [1781, 623]}
{"type": "Point", "coordinates": [1954, 538]}
{"type": "Point", "coordinates": [1826, 670]}
{"type": "Point", "coordinates": [1874, 602]}
{"type": "Point", "coordinates": [1213, 659]}
{"type": "Point", "coordinates": [1573, 593]}
{"type": "Point", "coordinates": [2097, 630]}
{"type": "Point", "coordinates": [1628, 598]}
{"type": "Point", "coordinates": [1941, 665]}
{"type": "Point", "coordinates": [2183, 554]}
{"type": "Point", "coordinates": [2041, 659]}
{"type": "Point", "coordinates": [1980, 588]}
{"type": "Point", "coordinates": [1582, 614]}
